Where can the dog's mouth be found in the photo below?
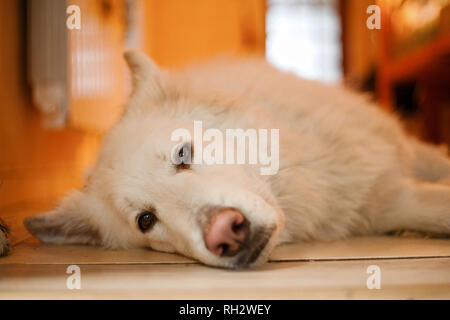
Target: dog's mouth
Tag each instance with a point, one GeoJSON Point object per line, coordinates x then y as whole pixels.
{"type": "Point", "coordinates": [254, 246]}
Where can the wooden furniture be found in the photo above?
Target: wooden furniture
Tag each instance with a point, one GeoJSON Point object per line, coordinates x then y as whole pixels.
{"type": "Point", "coordinates": [428, 65]}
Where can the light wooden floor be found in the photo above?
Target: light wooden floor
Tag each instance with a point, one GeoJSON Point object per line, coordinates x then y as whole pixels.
{"type": "Point", "coordinates": [411, 268]}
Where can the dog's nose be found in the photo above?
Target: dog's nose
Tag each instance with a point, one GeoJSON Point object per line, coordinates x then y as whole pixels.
{"type": "Point", "coordinates": [226, 232]}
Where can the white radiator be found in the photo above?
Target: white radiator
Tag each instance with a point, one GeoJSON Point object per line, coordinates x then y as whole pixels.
{"type": "Point", "coordinates": [47, 59]}
{"type": "Point", "coordinates": [78, 75]}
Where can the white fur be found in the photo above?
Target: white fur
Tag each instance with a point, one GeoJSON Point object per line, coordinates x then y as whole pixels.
{"type": "Point", "coordinates": [346, 167]}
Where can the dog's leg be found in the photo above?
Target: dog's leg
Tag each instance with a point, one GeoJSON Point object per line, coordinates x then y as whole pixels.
{"type": "Point", "coordinates": [430, 163]}
{"type": "Point", "coordinates": [4, 242]}
{"type": "Point", "coordinates": [420, 206]}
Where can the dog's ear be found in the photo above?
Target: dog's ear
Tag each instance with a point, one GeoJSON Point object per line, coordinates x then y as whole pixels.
{"type": "Point", "coordinates": [67, 224]}
{"type": "Point", "coordinates": [150, 84]}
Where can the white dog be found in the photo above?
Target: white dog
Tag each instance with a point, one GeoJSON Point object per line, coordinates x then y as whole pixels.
{"type": "Point", "coordinates": [345, 169]}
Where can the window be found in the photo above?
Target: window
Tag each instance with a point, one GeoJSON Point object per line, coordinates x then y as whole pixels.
{"type": "Point", "coordinates": [303, 36]}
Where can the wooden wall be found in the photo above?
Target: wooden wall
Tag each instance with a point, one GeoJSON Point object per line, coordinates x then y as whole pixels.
{"type": "Point", "coordinates": [178, 32]}
{"type": "Point", "coordinates": [37, 166]}
{"type": "Point", "coordinates": [360, 44]}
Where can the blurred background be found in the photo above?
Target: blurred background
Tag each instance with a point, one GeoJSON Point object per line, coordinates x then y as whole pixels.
{"type": "Point", "coordinates": [62, 86]}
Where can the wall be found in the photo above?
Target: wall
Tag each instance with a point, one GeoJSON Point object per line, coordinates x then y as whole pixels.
{"type": "Point", "coordinates": [360, 43]}
{"type": "Point", "coordinates": [37, 166]}
{"type": "Point", "coordinates": [178, 32]}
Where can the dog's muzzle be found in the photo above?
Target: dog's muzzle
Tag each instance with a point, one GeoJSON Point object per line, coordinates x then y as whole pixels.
{"type": "Point", "coordinates": [229, 234]}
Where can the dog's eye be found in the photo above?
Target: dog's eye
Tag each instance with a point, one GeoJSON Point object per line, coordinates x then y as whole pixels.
{"type": "Point", "coordinates": [181, 156]}
{"type": "Point", "coordinates": [146, 220]}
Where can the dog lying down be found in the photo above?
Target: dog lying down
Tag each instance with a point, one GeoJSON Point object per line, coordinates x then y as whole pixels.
{"type": "Point", "coordinates": [345, 168]}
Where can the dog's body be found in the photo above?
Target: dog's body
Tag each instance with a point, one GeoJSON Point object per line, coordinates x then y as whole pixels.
{"type": "Point", "coordinates": [346, 168]}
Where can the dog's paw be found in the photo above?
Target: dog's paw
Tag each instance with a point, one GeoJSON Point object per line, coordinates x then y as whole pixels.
{"type": "Point", "coordinates": [4, 242]}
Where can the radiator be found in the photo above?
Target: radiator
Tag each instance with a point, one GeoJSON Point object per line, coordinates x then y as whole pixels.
{"type": "Point", "coordinates": [78, 75]}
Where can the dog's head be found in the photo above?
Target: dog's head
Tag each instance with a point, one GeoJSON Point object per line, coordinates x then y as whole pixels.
{"type": "Point", "coordinates": [143, 192]}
